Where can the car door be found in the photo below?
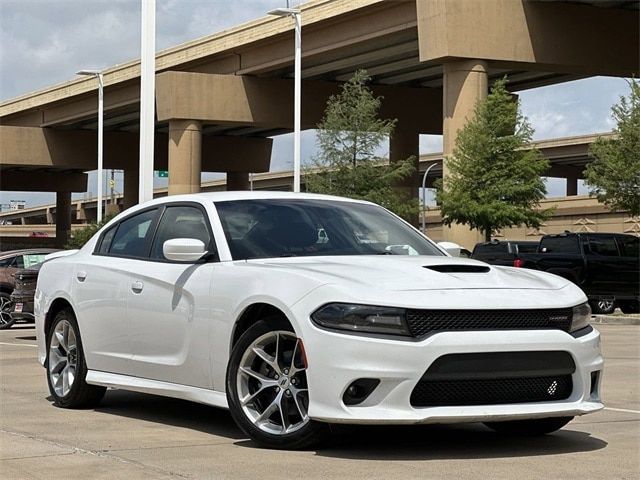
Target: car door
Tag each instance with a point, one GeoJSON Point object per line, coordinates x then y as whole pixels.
{"type": "Point", "coordinates": [169, 307]}
{"type": "Point", "coordinates": [100, 291]}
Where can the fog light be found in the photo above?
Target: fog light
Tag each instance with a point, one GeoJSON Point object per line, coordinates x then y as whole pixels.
{"type": "Point", "coordinates": [359, 390]}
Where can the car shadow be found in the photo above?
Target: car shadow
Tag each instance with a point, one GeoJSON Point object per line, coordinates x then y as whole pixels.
{"type": "Point", "coordinates": [450, 442]}
{"type": "Point", "coordinates": [412, 442]}
{"type": "Point", "coordinates": [169, 411]}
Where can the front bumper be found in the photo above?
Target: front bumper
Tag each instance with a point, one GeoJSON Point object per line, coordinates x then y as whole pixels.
{"type": "Point", "coordinates": [336, 360]}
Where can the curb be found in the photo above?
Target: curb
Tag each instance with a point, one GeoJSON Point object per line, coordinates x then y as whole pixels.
{"type": "Point", "coordinates": [615, 319]}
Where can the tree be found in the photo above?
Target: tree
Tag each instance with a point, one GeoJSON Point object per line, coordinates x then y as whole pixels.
{"type": "Point", "coordinates": [83, 235]}
{"type": "Point", "coordinates": [494, 177]}
{"type": "Point", "coordinates": [614, 175]}
{"type": "Point", "coordinates": [349, 137]}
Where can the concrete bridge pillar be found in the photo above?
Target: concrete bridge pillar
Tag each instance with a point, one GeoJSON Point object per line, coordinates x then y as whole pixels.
{"type": "Point", "coordinates": [131, 188]}
{"type": "Point", "coordinates": [465, 83]}
{"type": "Point", "coordinates": [572, 186]}
{"type": "Point", "coordinates": [237, 181]}
{"type": "Point", "coordinates": [63, 218]}
{"type": "Point", "coordinates": [185, 156]}
{"type": "Point", "coordinates": [404, 143]}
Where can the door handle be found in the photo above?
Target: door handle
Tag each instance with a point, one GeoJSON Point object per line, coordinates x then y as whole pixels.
{"type": "Point", "coordinates": [137, 286]}
{"type": "Point", "coordinates": [81, 276]}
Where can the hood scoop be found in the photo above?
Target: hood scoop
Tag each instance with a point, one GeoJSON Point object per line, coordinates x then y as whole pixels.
{"type": "Point", "coordinates": [452, 268]}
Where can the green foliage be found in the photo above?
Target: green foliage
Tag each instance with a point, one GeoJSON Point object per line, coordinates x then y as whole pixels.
{"type": "Point", "coordinates": [347, 164]}
{"type": "Point", "coordinates": [83, 235]}
{"type": "Point", "coordinates": [614, 175]}
{"type": "Point", "coordinates": [494, 178]}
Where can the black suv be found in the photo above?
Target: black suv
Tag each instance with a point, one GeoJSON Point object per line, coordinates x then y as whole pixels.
{"type": "Point", "coordinates": [605, 265]}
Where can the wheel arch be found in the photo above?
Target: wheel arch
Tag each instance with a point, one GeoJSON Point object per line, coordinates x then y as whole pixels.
{"type": "Point", "coordinates": [252, 314]}
{"type": "Point", "coordinates": [56, 306]}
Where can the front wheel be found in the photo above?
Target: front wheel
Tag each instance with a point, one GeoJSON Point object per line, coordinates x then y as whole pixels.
{"type": "Point", "coordinates": [267, 387]}
{"type": "Point", "coordinates": [66, 367]}
{"type": "Point", "coordinates": [527, 428]}
{"type": "Point", "coordinates": [630, 306]}
{"type": "Point", "coordinates": [5, 311]}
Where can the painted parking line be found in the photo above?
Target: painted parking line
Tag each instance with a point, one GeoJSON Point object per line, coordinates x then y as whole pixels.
{"type": "Point", "coordinates": [625, 410]}
{"type": "Point", "coordinates": [19, 344]}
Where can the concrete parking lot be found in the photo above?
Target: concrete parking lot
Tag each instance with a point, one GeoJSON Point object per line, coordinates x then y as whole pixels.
{"type": "Point", "coordinates": [134, 436]}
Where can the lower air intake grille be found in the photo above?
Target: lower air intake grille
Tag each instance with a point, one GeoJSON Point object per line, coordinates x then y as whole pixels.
{"type": "Point", "coordinates": [424, 322]}
{"type": "Point", "coordinates": [441, 393]}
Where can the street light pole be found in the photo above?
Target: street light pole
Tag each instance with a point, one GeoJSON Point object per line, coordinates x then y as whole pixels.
{"type": "Point", "coordinates": [297, 88]}
{"type": "Point", "coordinates": [424, 198]}
{"type": "Point", "coordinates": [98, 75]}
{"type": "Point", "coordinates": [147, 99]}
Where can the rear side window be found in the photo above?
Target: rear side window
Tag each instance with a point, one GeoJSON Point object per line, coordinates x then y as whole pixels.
{"type": "Point", "coordinates": [490, 248]}
{"type": "Point", "coordinates": [107, 238]}
{"type": "Point", "coordinates": [604, 245]}
{"type": "Point", "coordinates": [629, 246]}
{"type": "Point", "coordinates": [527, 247]}
{"type": "Point", "coordinates": [132, 236]}
{"type": "Point", "coordinates": [567, 245]}
{"type": "Point", "coordinates": [180, 222]}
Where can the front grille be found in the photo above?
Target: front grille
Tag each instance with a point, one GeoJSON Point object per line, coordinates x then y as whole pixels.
{"type": "Point", "coordinates": [439, 393]}
{"type": "Point", "coordinates": [424, 322]}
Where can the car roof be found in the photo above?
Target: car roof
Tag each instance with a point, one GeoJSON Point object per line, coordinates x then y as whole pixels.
{"type": "Point", "coordinates": [208, 197]}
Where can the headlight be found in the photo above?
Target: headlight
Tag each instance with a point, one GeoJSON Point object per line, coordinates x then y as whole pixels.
{"type": "Point", "coordinates": [580, 317]}
{"type": "Point", "coordinates": [362, 318]}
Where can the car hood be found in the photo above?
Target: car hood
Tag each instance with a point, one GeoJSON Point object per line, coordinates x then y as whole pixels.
{"type": "Point", "coordinates": [413, 273]}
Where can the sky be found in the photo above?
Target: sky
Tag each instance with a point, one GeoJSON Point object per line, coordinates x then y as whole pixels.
{"type": "Point", "coordinates": [43, 42]}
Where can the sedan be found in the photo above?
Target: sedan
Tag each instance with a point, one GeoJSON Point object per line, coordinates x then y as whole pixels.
{"type": "Point", "coordinates": [296, 311]}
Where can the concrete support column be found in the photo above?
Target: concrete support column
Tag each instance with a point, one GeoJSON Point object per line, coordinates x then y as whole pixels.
{"type": "Point", "coordinates": [237, 181]}
{"type": "Point", "coordinates": [63, 218]}
{"type": "Point", "coordinates": [404, 143]}
{"type": "Point", "coordinates": [572, 186]}
{"type": "Point", "coordinates": [465, 83]}
{"type": "Point", "coordinates": [185, 156]}
{"type": "Point", "coordinates": [131, 188]}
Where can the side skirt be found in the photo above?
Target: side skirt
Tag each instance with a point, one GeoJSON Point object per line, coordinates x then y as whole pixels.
{"type": "Point", "coordinates": [156, 387]}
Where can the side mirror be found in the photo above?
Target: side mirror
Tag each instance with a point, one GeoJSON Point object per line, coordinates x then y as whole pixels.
{"type": "Point", "coordinates": [183, 249]}
{"type": "Point", "coordinates": [451, 248]}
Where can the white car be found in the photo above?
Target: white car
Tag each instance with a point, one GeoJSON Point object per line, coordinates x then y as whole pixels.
{"type": "Point", "coordinates": [236, 300]}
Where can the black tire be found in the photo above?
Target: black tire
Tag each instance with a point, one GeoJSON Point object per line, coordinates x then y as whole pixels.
{"type": "Point", "coordinates": [6, 305]}
{"type": "Point", "coordinates": [602, 307]}
{"type": "Point", "coordinates": [310, 434]}
{"type": "Point", "coordinates": [529, 428]}
{"type": "Point", "coordinates": [81, 394]}
{"type": "Point", "coordinates": [630, 306]}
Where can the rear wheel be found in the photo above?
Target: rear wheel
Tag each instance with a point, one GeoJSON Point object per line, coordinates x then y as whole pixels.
{"type": "Point", "coordinates": [66, 367]}
{"type": "Point", "coordinates": [534, 427]}
{"type": "Point", "coordinates": [5, 311]}
{"type": "Point", "coordinates": [603, 306]}
{"type": "Point", "coordinates": [267, 387]}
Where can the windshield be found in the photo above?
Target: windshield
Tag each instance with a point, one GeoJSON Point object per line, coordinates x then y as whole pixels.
{"type": "Point", "coordinates": [292, 227]}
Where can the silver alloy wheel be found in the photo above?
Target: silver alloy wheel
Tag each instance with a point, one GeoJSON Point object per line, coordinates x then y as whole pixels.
{"type": "Point", "coordinates": [5, 310]}
{"type": "Point", "coordinates": [605, 305]}
{"type": "Point", "coordinates": [63, 358]}
{"type": "Point", "coordinates": [272, 383]}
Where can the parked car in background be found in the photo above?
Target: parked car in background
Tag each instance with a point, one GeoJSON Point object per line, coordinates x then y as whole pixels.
{"type": "Point", "coordinates": [502, 252]}
{"type": "Point", "coordinates": [10, 263]}
{"type": "Point", "coordinates": [606, 266]}
{"type": "Point", "coordinates": [24, 291]}
{"type": "Point", "coordinates": [236, 299]}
